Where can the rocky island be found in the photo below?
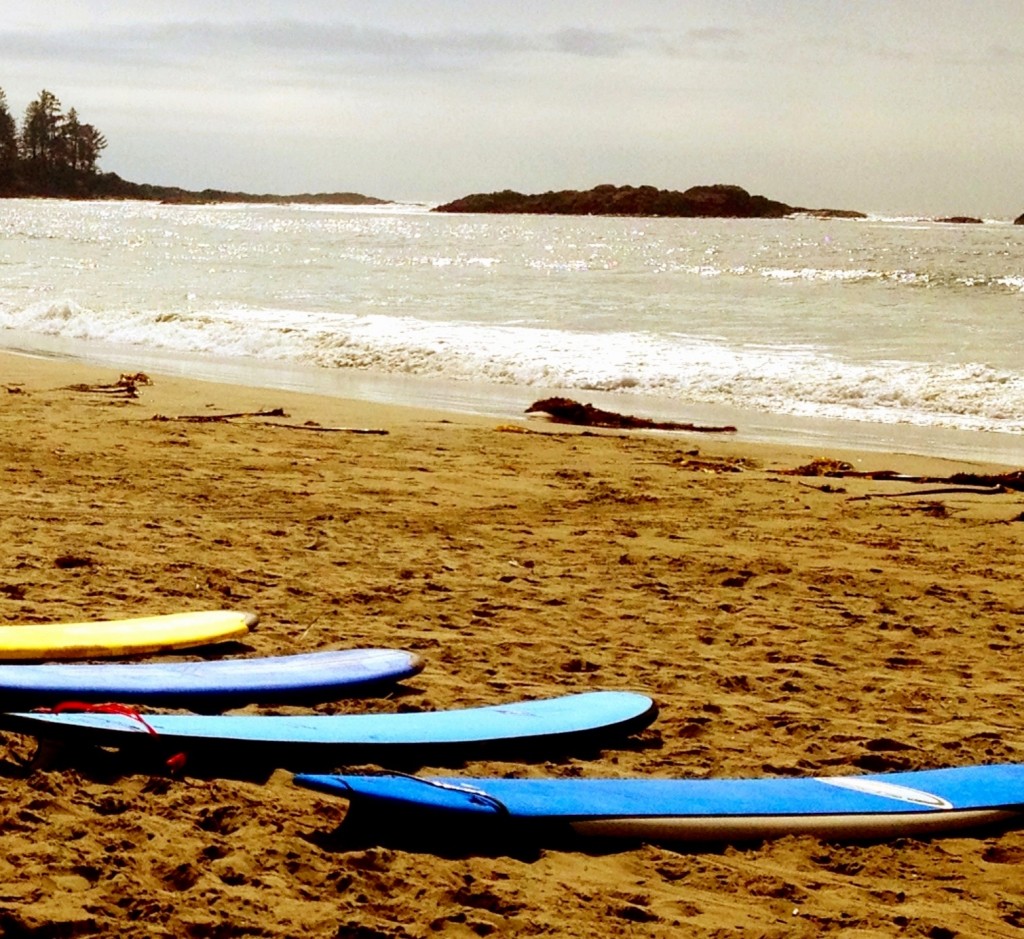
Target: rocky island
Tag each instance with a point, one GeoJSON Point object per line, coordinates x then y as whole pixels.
{"type": "Point", "coordinates": [716, 201]}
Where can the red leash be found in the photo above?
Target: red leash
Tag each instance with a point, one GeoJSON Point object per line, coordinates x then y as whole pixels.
{"type": "Point", "coordinates": [174, 763]}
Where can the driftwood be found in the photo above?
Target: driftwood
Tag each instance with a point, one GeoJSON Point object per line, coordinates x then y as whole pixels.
{"type": "Point", "coordinates": [127, 386]}
{"type": "Point", "coordinates": [516, 429]}
{"type": "Point", "coordinates": [273, 412]}
{"type": "Point", "coordinates": [214, 418]}
{"type": "Point", "coordinates": [985, 482]}
{"type": "Point", "coordinates": [329, 430]}
{"type": "Point", "coordinates": [567, 411]}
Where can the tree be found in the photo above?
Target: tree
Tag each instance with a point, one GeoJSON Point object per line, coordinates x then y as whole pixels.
{"type": "Point", "coordinates": [8, 147]}
{"type": "Point", "coordinates": [41, 143]}
{"type": "Point", "coordinates": [58, 152]}
{"type": "Point", "coordinates": [68, 148]}
{"type": "Point", "coordinates": [82, 144]}
{"type": "Point", "coordinates": [40, 129]}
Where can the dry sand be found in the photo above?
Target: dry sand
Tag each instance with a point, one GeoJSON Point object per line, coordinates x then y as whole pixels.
{"type": "Point", "coordinates": [783, 629]}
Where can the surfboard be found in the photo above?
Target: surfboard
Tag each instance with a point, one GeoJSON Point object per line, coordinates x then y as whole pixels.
{"type": "Point", "coordinates": [694, 810]}
{"type": "Point", "coordinates": [109, 638]}
{"type": "Point", "coordinates": [306, 677]}
{"type": "Point", "coordinates": [595, 716]}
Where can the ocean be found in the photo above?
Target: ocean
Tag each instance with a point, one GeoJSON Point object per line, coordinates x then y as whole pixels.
{"type": "Point", "coordinates": [896, 334]}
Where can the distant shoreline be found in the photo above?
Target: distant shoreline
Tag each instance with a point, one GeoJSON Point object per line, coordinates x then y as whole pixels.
{"type": "Point", "coordinates": [713, 201]}
{"type": "Point", "coordinates": [111, 186]}
{"type": "Point", "coordinates": [90, 187]}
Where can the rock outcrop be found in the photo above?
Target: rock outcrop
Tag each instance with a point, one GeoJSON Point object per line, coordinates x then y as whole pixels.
{"type": "Point", "coordinates": [718, 201]}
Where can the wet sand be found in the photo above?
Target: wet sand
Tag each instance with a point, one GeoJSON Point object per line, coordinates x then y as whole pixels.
{"type": "Point", "coordinates": [785, 625]}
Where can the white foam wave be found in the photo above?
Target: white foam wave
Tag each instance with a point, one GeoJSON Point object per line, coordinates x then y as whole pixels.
{"type": "Point", "coordinates": [796, 380]}
{"type": "Point", "coordinates": [817, 274]}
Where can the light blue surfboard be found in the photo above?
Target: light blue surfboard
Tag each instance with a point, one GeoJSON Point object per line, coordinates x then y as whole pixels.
{"type": "Point", "coordinates": [312, 676]}
{"type": "Point", "coordinates": [694, 810]}
{"type": "Point", "coordinates": [593, 717]}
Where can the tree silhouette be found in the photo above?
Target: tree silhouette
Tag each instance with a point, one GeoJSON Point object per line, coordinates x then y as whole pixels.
{"type": "Point", "coordinates": [55, 154]}
{"type": "Point", "coordinates": [40, 132]}
{"type": "Point", "coordinates": [8, 147]}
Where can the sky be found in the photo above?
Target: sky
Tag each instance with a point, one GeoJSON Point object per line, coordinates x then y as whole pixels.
{"type": "Point", "coordinates": [891, 106]}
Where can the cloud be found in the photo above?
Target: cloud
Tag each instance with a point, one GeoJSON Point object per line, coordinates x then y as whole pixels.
{"type": "Point", "coordinates": [345, 40]}
{"type": "Point", "coordinates": [592, 42]}
{"type": "Point", "coordinates": [715, 34]}
{"type": "Point", "coordinates": [338, 42]}
{"type": "Point", "coordinates": [1000, 54]}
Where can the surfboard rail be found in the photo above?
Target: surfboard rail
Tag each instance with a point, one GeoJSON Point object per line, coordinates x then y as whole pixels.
{"type": "Point", "coordinates": [210, 683]}
{"type": "Point", "coordinates": [886, 805]}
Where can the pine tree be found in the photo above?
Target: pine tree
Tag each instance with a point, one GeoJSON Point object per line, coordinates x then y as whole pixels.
{"type": "Point", "coordinates": [8, 148]}
{"type": "Point", "coordinates": [42, 144]}
{"type": "Point", "coordinates": [82, 144]}
{"type": "Point", "coordinates": [58, 152]}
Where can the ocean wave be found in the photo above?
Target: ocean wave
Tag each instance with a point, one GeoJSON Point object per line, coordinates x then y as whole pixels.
{"type": "Point", "coordinates": [818, 274]}
{"type": "Point", "coordinates": [785, 379]}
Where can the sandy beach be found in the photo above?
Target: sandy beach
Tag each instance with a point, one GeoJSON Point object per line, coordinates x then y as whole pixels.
{"type": "Point", "coordinates": [785, 625]}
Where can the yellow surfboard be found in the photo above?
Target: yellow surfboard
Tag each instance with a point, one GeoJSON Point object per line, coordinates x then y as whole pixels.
{"type": "Point", "coordinates": [138, 636]}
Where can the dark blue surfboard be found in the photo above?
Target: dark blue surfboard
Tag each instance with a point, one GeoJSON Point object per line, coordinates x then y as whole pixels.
{"type": "Point", "coordinates": [694, 810]}
{"type": "Point", "coordinates": [590, 717]}
{"type": "Point", "coordinates": [312, 676]}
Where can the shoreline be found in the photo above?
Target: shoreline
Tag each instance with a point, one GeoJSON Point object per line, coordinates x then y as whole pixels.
{"type": "Point", "coordinates": [506, 402]}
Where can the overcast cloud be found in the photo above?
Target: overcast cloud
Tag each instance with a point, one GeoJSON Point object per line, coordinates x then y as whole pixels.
{"type": "Point", "coordinates": [884, 105]}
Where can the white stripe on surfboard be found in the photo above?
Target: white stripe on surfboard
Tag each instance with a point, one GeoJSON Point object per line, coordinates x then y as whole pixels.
{"type": "Point", "coordinates": [886, 790]}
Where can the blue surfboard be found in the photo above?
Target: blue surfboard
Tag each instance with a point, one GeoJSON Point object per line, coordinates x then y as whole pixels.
{"type": "Point", "coordinates": [554, 722]}
{"type": "Point", "coordinates": [694, 810]}
{"type": "Point", "coordinates": [307, 677]}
